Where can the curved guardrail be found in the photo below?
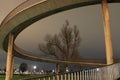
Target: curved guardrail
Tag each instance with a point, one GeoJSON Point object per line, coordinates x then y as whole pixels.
{"type": "Point", "coordinates": [37, 58]}
{"type": "Point", "coordinates": [111, 72]}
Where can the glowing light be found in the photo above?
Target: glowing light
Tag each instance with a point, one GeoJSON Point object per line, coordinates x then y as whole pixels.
{"type": "Point", "coordinates": [53, 70]}
{"type": "Point", "coordinates": [34, 67]}
{"type": "Point", "coordinates": [67, 70]}
{"type": "Point", "coordinates": [98, 69]}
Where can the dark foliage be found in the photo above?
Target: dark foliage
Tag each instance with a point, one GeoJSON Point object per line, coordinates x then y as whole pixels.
{"type": "Point", "coordinates": [23, 67]}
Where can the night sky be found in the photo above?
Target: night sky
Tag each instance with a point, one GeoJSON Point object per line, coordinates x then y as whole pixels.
{"type": "Point", "coordinates": [88, 19]}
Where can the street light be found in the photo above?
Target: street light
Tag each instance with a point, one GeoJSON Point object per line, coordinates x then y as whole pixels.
{"type": "Point", "coordinates": [34, 68]}
{"type": "Point", "coordinates": [67, 70]}
{"type": "Point", "coordinates": [98, 69]}
{"type": "Point", "coordinates": [53, 71]}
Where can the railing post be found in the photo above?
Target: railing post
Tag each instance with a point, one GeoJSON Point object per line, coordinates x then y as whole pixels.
{"type": "Point", "coordinates": [69, 76]}
{"type": "Point", "coordinates": [99, 74]}
{"type": "Point", "coordinates": [72, 78]}
{"type": "Point", "coordinates": [87, 74]}
{"type": "Point", "coordinates": [83, 77]}
{"type": "Point", "coordinates": [74, 75]}
{"type": "Point", "coordinates": [53, 77]}
{"type": "Point", "coordinates": [65, 76]}
{"type": "Point", "coordinates": [61, 76]}
{"type": "Point", "coordinates": [44, 78]}
{"type": "Point", "coordinates": [57, 76]}
{"type": "Point", "coordinates": [93, 76]}
{"type": "Point", "coordinates": [78, 76]}
{"type": "Point", "coordinates": [48, 78]}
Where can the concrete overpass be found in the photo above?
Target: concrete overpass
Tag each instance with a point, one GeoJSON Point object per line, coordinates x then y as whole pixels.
{"type": "Point", "coordinates": [30, 12]}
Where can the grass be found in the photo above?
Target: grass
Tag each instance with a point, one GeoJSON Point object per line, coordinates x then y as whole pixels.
{"type": "Point", "coordinates": [16, 77]}
{"type": "Point", "coordinates": [2, 77]}
{"type": "Point", "coordinates": [22, 77]}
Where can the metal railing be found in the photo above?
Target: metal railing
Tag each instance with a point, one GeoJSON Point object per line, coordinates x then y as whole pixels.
{"type": "Point", "coordinates": [110, 72]}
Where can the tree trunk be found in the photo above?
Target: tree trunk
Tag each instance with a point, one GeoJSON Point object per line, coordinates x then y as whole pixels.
{"type": "Point", "coordinates": [57, 68]}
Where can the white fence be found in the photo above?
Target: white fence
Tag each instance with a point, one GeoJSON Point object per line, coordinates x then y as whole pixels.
{"type": "Point", "coordinates": [104, 73]}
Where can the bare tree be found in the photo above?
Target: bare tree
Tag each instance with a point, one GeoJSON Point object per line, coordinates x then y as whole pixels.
{"type": "Point", "coordinates": [63, 46]}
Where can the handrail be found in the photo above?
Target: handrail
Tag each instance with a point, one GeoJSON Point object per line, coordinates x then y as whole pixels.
{"type": "Point", "coordinates": [104, 73]}
{"type": "Point", "coordinates": [37, 58]}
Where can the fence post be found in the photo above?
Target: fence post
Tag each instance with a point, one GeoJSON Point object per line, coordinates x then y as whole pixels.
{"type": "Point", "coordinates": [78, 76]}
{"type": "Point", "coordinates": [93, 77]}
{"type": "Point", "coordinates": [65, 76]}
{"type": "Point", "coordinates": [74, 75]}
{"type": "Point", "coordinates": [53, 77]}
{"type": "Point", "coordinates": [44, 78]}
{"type": "Point", "coordinates": [87, 74]}
{"type": "Point", "coordinates": [57, 76]}
{"type": "Point", "coordinates": [61, 76]}
{"type": "Point", "coordinates": [49, 78]}
{"type": "Point", "coordinates": [72, 78]}
{"type": "Point", "coordinates": [69, 76]}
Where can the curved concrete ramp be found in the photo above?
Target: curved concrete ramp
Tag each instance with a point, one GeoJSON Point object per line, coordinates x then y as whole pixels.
{"type": "Point", "coordinates": [32, 11]}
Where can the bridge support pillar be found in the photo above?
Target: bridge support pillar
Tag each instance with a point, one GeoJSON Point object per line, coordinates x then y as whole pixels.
{"type": "Point", "coordinates": [10, 59]}
{"type": "Point", "coordinates": [107, 31]}
{"type": "Point", "coordinates": [12, 67]}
